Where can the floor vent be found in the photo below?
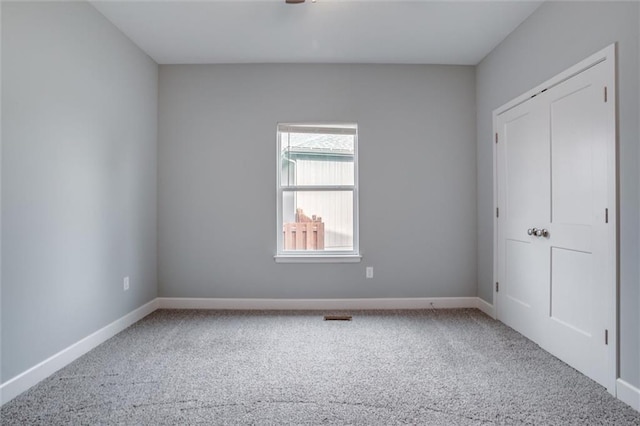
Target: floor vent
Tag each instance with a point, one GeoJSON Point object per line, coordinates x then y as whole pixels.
{"type": "Point", "coordinates": [337, 317]}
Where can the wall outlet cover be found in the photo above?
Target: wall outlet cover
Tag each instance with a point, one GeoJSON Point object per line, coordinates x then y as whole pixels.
{"type": "Point", "coordinates": [369, 272]}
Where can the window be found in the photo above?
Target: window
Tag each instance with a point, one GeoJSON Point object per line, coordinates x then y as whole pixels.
{"type": "Point", "coordinates": [317, 192]}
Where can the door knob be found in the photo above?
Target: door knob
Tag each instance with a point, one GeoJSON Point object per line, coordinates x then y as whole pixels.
{"type": "Point", "coordinates": [538, 232]}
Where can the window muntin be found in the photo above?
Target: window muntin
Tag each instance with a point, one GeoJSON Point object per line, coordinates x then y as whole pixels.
{"type": "Point", "coordinates": [317, 190]}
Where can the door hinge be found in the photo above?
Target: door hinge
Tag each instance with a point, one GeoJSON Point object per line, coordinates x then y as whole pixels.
{"type": "Point", "coordinates": [606, 337]}
{"type": "Point", "coordinates": [497, 212]}
{"type": "Point", "coordinates": [606, 215]}
{"type": "Point", "coordinates": [496, 138]}
{"type": "Point", "coordinates": [605, 93]}
{"type": "Point", "coordinates": [497, 286]}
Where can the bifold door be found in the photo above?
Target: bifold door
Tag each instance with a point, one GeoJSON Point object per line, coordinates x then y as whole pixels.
{"type": "Point", "coordinates": [556, 234]}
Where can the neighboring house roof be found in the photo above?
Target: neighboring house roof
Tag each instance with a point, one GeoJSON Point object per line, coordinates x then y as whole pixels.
{"type": "Point", "coordinates": [320, 144]}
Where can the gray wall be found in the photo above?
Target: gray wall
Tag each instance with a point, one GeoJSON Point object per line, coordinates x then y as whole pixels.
{"type": "Point", "coordinates": [556, 36]}
{"type": "Point", "coordinates": [79, 106]}
{"type": "Point", "coordinates": [217, 194]}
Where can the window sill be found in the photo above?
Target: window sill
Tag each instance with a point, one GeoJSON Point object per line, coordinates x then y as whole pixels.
{"type": "Point", "coordinates": [347, 258]}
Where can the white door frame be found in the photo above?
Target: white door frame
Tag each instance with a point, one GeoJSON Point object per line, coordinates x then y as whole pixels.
{"type": "Point", "coordinates": [608, 54]}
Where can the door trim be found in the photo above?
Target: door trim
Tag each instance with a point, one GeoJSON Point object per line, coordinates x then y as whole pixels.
{"type": "Point", "coordinates": [608, 54]}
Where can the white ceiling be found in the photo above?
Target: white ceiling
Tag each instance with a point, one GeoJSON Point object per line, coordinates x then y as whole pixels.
{"type": "Point", "coordinates": [328, 31]}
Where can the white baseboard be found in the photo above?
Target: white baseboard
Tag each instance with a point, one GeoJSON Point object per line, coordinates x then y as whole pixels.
{"type": "Point", "coordinates": [628, 394]}
{"type": "Point", "coordinates": [35, 374]}
{"type": "Point", "coordinates": [485, 307]}
{"type": "Point", "coordinates": [318, 304]}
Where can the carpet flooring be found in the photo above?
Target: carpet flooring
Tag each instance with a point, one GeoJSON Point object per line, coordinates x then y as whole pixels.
{"type": "Point", "coordinates": [444, 367]}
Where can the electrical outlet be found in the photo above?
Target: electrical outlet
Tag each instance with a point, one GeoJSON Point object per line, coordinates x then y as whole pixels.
{"type": "Point", "coordinates": [369, 272]}
{"type": "Point", "coordinates": [126, 283]}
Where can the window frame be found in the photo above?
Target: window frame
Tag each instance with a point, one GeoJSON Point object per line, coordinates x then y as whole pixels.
{"type": "Point", "coordinates": [316, 256]}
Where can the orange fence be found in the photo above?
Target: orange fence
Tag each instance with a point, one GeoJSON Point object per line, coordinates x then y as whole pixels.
{"type": "Point", "coordinates": [306, 233]}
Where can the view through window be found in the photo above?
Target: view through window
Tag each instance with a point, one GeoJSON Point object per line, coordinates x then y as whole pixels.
{"type": "Point", "coordinates": [317, 189]}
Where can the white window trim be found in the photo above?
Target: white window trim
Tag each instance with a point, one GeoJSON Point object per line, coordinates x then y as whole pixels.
{"type": "Point", "coordinates": [310, 256]}
{"type": "Point", "coordinates": [286, 258]}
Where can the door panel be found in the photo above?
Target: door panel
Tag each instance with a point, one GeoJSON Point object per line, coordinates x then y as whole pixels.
{"type": "Point", "coordinates": [572, 158]}
{"type": "Point", "coordinates": [572, 290]}
{"type": "Point", "coordinates": [517, 262]}
{"type": "Point", "coordinates": [522, 166]}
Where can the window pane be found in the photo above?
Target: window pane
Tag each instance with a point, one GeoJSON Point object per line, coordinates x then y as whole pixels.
{"type": "Point", "coordinates": [317, 220]}
{"type": "Point", "coordinates": [317, 159]}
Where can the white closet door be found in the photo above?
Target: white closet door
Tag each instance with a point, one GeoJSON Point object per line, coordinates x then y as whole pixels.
{"type": "Point", "coordinates": [523, 193]}
{"type": "Point", "coordinates": [555, 231]}
{"type": "Point", "coordinates": [580, 288]}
